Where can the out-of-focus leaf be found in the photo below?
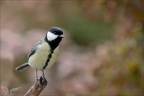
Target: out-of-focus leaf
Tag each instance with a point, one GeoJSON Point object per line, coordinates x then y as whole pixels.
{"type": "Point", "coordinates": [5, 89]}
{"type": "Point", "coordinates": [14, 90]}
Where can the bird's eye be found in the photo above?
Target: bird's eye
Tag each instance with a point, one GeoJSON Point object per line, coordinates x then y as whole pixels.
{"type": "Point", "coordinates": [54, 32]}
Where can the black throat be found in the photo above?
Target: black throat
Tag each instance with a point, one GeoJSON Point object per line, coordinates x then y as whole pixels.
{"type": "Point", "coordinates": [54, 43]}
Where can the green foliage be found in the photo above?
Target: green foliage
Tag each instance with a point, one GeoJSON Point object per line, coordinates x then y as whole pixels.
{"type": "Point", "coordinates": [84, 32]}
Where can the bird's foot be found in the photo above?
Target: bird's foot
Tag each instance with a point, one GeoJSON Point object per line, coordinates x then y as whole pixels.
{"type": "Point", "coordinates": [43, 80]}
{"type": "Point", "coordinates": [36, 80]}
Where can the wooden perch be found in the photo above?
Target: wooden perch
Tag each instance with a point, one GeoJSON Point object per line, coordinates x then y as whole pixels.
{"type": "Point", "coordinates": [37, 88]}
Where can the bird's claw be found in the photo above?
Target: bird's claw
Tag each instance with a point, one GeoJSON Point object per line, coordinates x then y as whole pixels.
{"type": "Point", "coordinates": [37, 79]}
{"type": "Point", "coordinates": [43, 80]}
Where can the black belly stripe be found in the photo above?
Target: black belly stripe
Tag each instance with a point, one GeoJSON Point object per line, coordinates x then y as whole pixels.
{"type": "Point", "coordinates": [47, 61]}
{"type": "Point", "coordinates": [53, 44]}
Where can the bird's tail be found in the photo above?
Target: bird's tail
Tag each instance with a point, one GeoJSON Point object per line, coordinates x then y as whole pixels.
{"type": "Point", "coordinates": [22, 67]}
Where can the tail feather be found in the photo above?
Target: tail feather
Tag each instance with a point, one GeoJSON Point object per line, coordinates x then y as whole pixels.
{"type": "Point", "coordinates": [22, 67]}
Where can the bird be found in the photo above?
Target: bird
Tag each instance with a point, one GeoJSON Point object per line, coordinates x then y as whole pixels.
{"type": "Point", "coordinates": [45, 52]}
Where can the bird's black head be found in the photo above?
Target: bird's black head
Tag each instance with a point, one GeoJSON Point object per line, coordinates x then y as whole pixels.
{"type": "Point", "coordinates": [54, 37]}
{"type": "Point", "coordinates": [56, 31]}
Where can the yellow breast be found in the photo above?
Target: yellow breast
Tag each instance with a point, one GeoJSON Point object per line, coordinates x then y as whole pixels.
{"type": "Point", "coordinates": [38, 59]}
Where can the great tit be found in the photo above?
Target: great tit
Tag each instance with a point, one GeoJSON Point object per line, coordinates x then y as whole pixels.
{"type": "Point", "coordinates": [45, 52]}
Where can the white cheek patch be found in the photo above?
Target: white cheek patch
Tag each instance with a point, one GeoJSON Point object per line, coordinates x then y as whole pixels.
{"type": "Point", "coordinates": [51, 36]}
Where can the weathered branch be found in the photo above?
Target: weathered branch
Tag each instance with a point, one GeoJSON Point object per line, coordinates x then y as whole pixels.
{"type": "Point", "coordinates": [37, 88]}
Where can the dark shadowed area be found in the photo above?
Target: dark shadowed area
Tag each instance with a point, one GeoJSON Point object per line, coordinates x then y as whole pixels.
{"type": "Point", "coordinates": [101, 54]}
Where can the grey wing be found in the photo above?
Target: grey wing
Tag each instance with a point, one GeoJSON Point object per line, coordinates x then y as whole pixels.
{"type": "Point", "coordinates": [33, 50]}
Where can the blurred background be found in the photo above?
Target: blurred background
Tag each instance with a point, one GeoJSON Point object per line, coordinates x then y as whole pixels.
{"type": "Point", "coordinates": [101, 54]}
